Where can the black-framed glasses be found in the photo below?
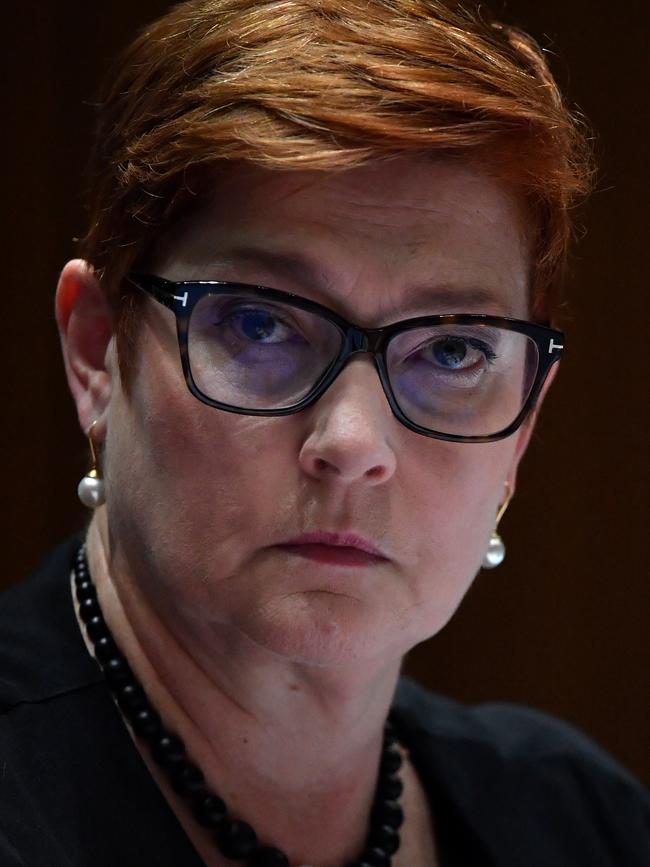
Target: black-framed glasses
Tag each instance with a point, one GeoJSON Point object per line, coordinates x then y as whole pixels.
{"type": "Point", "coordinates": [463, 377]}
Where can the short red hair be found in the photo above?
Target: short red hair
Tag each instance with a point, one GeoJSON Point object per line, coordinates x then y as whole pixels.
{"type": "Point", "coordinates": [318, 84]}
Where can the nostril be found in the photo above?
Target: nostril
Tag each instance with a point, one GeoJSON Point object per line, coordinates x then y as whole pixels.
{"type": "Point", "coordinates": [321, 465]}
{"type": "Point", "coordinates": [375, 472]}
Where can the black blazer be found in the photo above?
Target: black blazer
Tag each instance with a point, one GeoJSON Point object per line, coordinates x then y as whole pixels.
{"type": "Point", "coordinates": [508, 786]}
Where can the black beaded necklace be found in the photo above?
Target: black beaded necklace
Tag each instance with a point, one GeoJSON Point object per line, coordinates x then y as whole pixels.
{"type": "Point", "coordinates": [233, 838]}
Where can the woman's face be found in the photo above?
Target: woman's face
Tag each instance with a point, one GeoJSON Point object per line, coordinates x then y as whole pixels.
{"type": "Point", "coordinates": [199, 501]}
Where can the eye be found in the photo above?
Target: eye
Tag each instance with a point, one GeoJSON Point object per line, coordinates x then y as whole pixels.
{"type": "Point", "coordinates": [449, 351]}
{"type": "Point", "coordinates": [259, 325]}
{"type": "Point", "coordinates": [459, 353]}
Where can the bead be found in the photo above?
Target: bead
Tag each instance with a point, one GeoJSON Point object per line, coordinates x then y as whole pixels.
{"type": "Point", "coordinates": [187, 779]}
{"type": "Point", "coordinates": [105, 648]}
{"type": "Point", "coordinates": [96, 627]}
{"type": "Point", "coordinates": [168, 750]}
{"type": "Point", "coordinates": [376, 857]}
{"type": "Point", "coordinates": [387, 813]}
{"type": "Point", "coordinates": [391, 761]}
{"type": "Point", "coordinates": [389, 788]}
{"type": "Point", "coordinates": [88, 608]}
{"type": "Point", "coordinates": [386, 838]}
{"type": "Point", "coordinates": [81, 578]}
{"type": "Point", "coordinates": [496, 552]}
{"type": "Point", "coordinates": [91, 491]}
{"type": "Point", "coordinates": [86, 590]}
{"type": "Point", "coordinates": [236, 840]}
{"type": "Point", "coordinates": [116, 670]}
{"type": "Point", "coordinates": [269, 857]}
{"type": "Point", "coordinates": [131, 697]}
{"type": "Point", "coordinates": [209, 810]}
{"type": "Point", "coordinates": [146, 722]}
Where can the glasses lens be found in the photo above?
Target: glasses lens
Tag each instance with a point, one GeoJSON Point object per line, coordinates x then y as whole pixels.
{"type": "Point", "coordinates": [462, 380]}
{"type": "Point", "coordinates": [254, 353]}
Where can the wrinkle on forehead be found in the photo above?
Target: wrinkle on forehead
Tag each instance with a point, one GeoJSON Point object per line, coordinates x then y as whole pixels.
{"type": "Point", "coordinates": [390, 224]}
{"type": "Point", "coordinates": [419, 185]}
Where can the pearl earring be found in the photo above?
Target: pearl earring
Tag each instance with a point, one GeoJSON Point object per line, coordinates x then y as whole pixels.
{"type": "Point", "coordinates": [496, 550]}
{"type": "Point", "coordinates": [91, 490]}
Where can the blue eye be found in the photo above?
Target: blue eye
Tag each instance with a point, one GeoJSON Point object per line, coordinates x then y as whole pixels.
{"type": "Point", "coordinates": [256, 325]}
{"type": "Point", "coordinates": [459, 353]}
{"type": "Point", "coordinates": [259, 326]}
{"type": "Point", "coordinates": [450, 351]}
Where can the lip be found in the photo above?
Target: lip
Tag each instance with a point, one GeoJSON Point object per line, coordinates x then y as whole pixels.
{"type": "Point", "coordinates": [347, 549]}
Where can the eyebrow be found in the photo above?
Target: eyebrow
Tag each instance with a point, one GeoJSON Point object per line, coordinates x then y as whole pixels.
{"type": "Point", "coordinates": [301, 268]}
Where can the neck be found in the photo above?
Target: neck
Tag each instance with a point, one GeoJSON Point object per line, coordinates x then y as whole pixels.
{"type": "Point", "coordinates": [293, 749]}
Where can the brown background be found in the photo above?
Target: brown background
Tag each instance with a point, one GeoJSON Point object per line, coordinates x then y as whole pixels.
{"type": "Point", "coordinates": [563, 624]}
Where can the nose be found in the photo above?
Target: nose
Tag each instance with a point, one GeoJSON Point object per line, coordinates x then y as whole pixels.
{"type": "Point", "coordinates": [348, 438]}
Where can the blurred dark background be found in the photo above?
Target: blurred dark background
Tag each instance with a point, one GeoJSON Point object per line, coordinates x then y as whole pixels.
{"type": "Point", "coordinates": [563, 624]}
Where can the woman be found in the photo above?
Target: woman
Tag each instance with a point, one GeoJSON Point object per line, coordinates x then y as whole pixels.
{"type": "Point", "coordinates": [307, 339]}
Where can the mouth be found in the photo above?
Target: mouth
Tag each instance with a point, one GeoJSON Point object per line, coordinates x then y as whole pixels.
{"type": "Point", "coordinates": [339, 549]}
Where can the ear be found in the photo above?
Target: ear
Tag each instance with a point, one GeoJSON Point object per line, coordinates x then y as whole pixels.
{"type": "Point", "coordinates": [525, 432]}
{"type": "Point", "coordinates": [85, 326]}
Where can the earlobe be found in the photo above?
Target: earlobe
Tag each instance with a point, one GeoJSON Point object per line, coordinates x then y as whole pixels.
{"type": "Point", "coordinates": [85, 327]}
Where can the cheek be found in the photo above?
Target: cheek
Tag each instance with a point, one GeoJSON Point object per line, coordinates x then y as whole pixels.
{"type": "Point", "coordinates": [458, 499]}
{"type": "Point", "coordinates": [186, 482]}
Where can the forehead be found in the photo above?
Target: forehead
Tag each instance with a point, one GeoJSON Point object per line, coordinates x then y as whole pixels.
{"type": "Point", "coordinates": [404, 235]}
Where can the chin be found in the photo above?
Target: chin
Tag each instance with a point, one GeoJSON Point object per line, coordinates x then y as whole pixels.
{"type": "Point", "coordinates": [318, 628]}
